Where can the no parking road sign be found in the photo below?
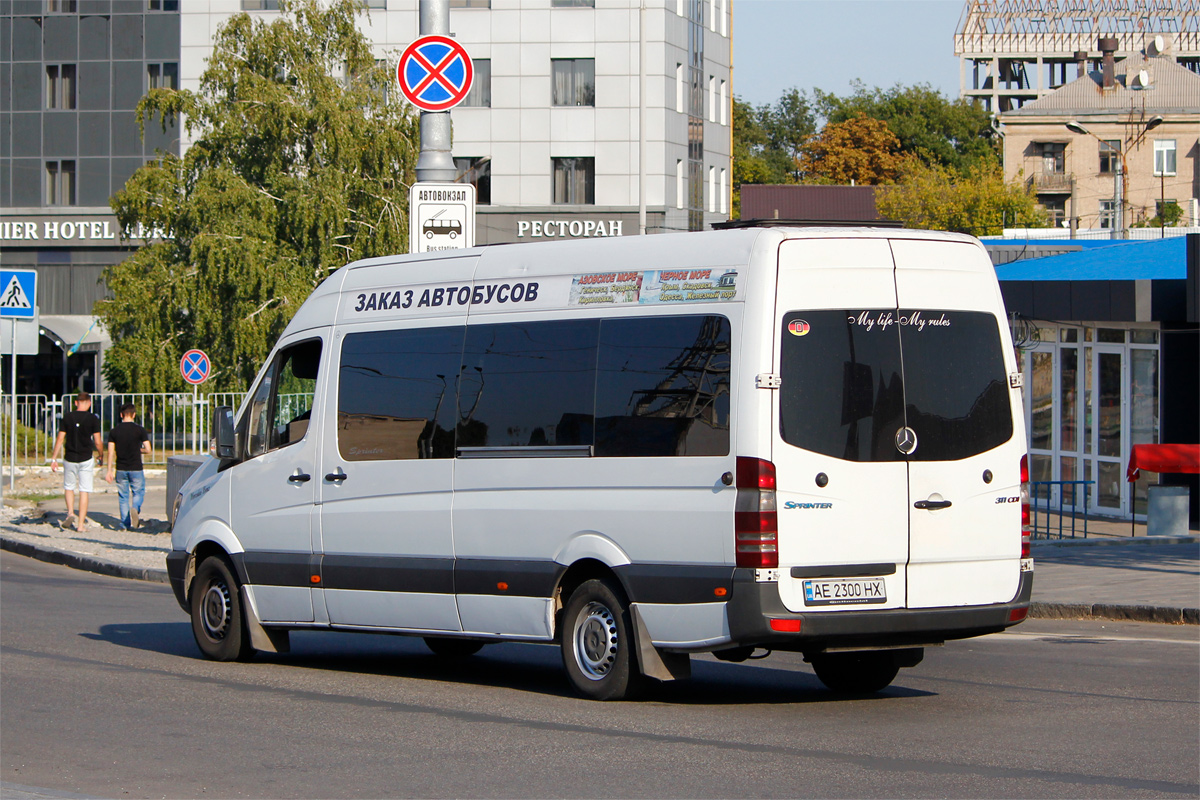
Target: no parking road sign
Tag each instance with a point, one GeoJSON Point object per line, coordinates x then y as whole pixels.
{"type": "Point", "coordinates": [435, 73]}
{"type": "Point", "coordinates": [195, 367]}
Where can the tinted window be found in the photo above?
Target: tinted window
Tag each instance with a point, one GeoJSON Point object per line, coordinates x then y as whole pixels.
{"type": "Point", "coordinates": [396, 394]}
{"type": "Point", "coordinates": [846, 391]}
{"type": "Point", "coordinates": [663, 387]}
{"type": "Point", "coordinates": [842, 391]}
{"type": "Point", "coordinates": [955, 383]}
{"type": "Point", "coordinates": [281, 405]}
{"type": "Point", "coordinates": [528, 384]}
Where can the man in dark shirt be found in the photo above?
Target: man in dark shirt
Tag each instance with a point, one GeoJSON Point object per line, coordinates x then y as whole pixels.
{"type": "Point", "coordinates": [127, 441]}
{"type": "Point", "coordinates": [80, 434]}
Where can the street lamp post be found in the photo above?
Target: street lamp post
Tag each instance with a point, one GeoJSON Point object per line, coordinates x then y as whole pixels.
{"type": "Point", "coordinates": [1122, 169]}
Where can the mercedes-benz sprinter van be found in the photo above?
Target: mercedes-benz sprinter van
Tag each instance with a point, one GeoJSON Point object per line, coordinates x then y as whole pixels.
{"type": "Point", "coordinates": [800, 439]}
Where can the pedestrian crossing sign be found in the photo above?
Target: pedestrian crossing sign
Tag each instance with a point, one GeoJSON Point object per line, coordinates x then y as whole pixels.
{"type": "Point", "coordinates": [18, 293]}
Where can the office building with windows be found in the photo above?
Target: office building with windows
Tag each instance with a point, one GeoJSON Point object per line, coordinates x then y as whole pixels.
{"type": "Point", "coordinates": [71, 74]}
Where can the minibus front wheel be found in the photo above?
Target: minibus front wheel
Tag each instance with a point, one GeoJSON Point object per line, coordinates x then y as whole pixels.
{"type": "Point", "coordinates": [598, 649]}
{"type": "Point", "coordinates": [217, 621]}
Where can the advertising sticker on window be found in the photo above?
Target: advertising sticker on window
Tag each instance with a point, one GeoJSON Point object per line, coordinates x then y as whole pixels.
{"type": "Point", "coordinates": [654, 286]}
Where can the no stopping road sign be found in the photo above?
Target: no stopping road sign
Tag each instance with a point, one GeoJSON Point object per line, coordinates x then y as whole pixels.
{"type": "Point", "coordinates": [435, 73]}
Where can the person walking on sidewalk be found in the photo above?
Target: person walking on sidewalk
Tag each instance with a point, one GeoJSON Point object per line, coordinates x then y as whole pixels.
{"type": "Point", "coordinates": [78, 439]}
{"type": "Point", "coordinates": [127, 442]}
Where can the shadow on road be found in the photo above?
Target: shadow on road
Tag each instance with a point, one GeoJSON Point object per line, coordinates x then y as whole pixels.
{"type": "Point", "coordinates": [532, 668]}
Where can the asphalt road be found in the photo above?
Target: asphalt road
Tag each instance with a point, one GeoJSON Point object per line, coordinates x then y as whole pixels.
{"type": "Point", "coordinates": [104, 694]}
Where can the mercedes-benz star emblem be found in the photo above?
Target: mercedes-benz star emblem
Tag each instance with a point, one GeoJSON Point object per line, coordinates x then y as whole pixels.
{"type": "Point", "coordinates": [906, 440]}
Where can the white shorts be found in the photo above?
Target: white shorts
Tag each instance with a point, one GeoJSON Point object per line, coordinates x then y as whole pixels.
{"type": "Point", "coordinates": [78, 475]}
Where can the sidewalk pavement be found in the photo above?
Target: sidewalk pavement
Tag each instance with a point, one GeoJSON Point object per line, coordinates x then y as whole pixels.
{"type": "Point", "coordinates": [1109, 575]}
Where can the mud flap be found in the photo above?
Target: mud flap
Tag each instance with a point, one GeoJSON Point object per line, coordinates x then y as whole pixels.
{"type": "Point", "coordinates": [654, 663]}
{"type": "Point", "coordinates": [260, 638]}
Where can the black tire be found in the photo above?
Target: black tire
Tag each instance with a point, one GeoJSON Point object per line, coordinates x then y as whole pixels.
{"type": "Point", "coordinates": [856, 673]}
{"type": "Point", "coordinates": [449, 647]}
{"type": "Point", "coordinates": [217, 621]}
{"type": "Point", "coordinates": [597, 643]}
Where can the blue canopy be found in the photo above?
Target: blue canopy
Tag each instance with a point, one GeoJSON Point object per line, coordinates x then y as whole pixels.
{"type": "Point", "coordinates": [1154, 259]}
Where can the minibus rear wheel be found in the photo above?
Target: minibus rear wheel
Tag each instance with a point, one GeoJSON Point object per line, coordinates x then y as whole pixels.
{"type": "Point", "coordinates": [856, 673]}
{"type": "Point", "coordinates": [597, 643]}
{"type": "Point", "coordinates": [449, 647]}
{"type": "Point", "coordinates": [217, 621]}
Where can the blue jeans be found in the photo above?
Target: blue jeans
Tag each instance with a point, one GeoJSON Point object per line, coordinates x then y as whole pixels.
{"type": "Point", "coordinates": [128, 479]}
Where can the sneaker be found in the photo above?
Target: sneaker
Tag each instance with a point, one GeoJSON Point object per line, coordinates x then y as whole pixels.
{"type": "Point", "coordinates": [133, 519]}
{"type": "Point", "coordinates": [68, 523]}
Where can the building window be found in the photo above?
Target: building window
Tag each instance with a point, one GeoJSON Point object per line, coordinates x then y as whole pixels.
{"type": "Point", "coordinates": [679, 88]}
{"type": "Point", "coordinates": [679, 191]}
{"type": "Point", "coordinates": [162, 5]}
{"type": "Point", "coordinates": [1056, 210]}
{"type": "Point", "coordinates": [480, 95]}
{"type": "Point", "coordinates": [470, 3]}
{"type": "Point", "coordinates": [374, 3]}
{"type": "Point", "coordinates": [573, 81]}
{"type": "Point", "coordinates": [1110, 156]}
{"type": "Point", "coordinates": [724, 104]}
{"type": "Point", "coordinates": [60, 183]}
{"type": "Point", "coordinates": [572, 3]}
{"type": "Point", "coordinates": [712, 98]}
{"type": "Point", "coordinates": [575, 181]}
{"type": "Point", "coordinates": [712, 190]}
{"type": "Point", "coordinates": [1108, 213]}
{"type": "Point", "coordinates": [162, 76]}
{"type": "Point", "coordinates": [260, 5]}
{"type": "Point", "coordinates": [724, 195]}
{"type": "Point", "coordinates": [60, 6]}
{"type": "Point", "coordinates": [679, 7]}
{"type": "Point", "coordinates": [712, 16]}
{"type": "Point", "coordinates": [695, 79]}
{"type": "Point", "coordinates": [724, 17]}
{"type": "Point", "coordinates": [1053, 158]}
{"type": "Point", "coordinates": [60, 86]}
{"type": "Point", "coordinates": [1164, 157]}
{"type": "Point", "coordinates": [478, 173]}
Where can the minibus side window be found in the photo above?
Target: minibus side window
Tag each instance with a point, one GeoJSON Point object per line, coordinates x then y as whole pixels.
{"type": "Point", "coordinates": [528, 384]}
{"type": "Point", "coordinates": [396, 394]}
{"type": "Point", "coordinates": [663, 387]}
{"type": "Point", "coordinates": [282, 402]}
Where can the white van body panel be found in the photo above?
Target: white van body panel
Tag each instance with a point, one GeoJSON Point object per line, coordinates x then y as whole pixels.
{"type": "Point", "coordinates": [694, 626]}
{"type": "Point", "coordinates": [592, 545]}
{"type": "Point", "coordinates": [510, 617]}
{"type": "Point", "coordinates": [394, 610]}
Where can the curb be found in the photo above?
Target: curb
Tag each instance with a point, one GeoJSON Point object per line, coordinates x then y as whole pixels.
{"type": "Point", "coordinates": [1113, 542]}
{"type": "Point", "coordinates": [1166, 614]}
{"type": "Point", "coordinates": [84, 562]}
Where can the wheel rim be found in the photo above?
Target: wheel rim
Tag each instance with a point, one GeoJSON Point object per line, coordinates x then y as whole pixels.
{"type": "Point", "coordinates": [215, 610]}
{"type": "Point", "coordinates": [595, 641]}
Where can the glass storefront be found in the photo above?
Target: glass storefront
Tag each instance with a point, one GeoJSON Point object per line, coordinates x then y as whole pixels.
{"type": "Point", "coordinates": [1091, 394]}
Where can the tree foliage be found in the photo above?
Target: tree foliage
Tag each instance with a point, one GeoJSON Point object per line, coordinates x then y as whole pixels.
{"type": "Point", "coordinates": [977, 201]}
{"type": "Point", "coordinates": [951, 133]}
{"type": "Point", "coordinates": [860, 150]}
{"type": "Point", "coordinates": [298, 165]}
{"type": "Point", "coordinates": [767, 141]}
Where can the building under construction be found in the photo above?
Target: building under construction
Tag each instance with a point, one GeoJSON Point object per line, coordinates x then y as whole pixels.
{"type": "Point", "coordinates": [1014, 51]}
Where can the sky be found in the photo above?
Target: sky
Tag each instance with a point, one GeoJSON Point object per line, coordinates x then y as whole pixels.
{"type": "Point", "coordinates": [778, 44]}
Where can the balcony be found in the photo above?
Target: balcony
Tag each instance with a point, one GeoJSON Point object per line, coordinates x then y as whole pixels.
{"type": "Point", "coordinates": [1051, 183]}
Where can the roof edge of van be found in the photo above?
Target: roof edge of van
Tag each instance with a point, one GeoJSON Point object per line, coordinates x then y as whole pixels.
{"type": "Point", "coordinates": [806, 223]}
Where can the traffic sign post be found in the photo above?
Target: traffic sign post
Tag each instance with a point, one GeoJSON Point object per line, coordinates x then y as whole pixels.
{"type": "Point", "coordinates": [441, 216]}
{"type": "Point", "coordinates": [435, 73]}
{"type": "Point", "coordinates": [18, 301]}
{"type": "Point", "coordinates": [195, 368]}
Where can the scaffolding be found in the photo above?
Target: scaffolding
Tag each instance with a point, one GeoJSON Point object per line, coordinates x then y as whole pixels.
{"type": "Point", "coordinates": [1014, 51]}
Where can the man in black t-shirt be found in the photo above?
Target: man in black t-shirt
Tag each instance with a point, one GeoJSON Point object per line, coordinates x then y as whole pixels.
{"type": "Point", "coordinates": [80, 436]}
{"type": "Point", "coordinates": [127, 441]}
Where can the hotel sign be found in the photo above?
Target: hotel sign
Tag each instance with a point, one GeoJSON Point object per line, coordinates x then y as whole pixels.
{"type": "Point", "coordinates": [86, 230]}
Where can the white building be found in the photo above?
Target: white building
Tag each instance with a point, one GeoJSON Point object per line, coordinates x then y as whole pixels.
{"type": "Point", "coordinates": [551, 131]}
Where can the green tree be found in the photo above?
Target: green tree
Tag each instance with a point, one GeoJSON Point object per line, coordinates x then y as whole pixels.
{"type": "Point", "coordinates": [978, 202]}
{"type": "Point", "coordinates": [952, 133]}
{"type": "Point", "coordinates": [767, 141]}
{"type": "Point", "coordinates": [860, 150]}
{"type": "Point", "coordinates": [298, 164]}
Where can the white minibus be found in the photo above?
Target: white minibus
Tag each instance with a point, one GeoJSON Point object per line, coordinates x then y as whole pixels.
{"type": "Point", "coordinates": [636, 448]}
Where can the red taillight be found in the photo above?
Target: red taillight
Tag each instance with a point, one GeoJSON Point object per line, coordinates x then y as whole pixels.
{"type": "Point", "coordinates": [785, 625]}
{"type": "Point", "coordinates": [755, 522]}
{"type": "Point", "coordinates": [1018, 614]}
{"type": "Point", "coordinates": [1025, 506]}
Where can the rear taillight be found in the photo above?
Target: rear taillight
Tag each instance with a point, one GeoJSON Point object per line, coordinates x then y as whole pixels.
{"type": "Point", "coordinates": [1025, 506]}
{"type": "Point", "coordinates": [755, 521]}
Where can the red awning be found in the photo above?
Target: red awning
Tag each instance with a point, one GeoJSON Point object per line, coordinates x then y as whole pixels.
{"type": "Point", "coordinates": [1163, 458]}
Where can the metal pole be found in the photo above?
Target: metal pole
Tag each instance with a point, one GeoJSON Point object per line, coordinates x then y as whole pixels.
{"type": "Point", "coordinates": [1119, 188]}
{"type": "Point", "coordinates": [642, 118]}
{"type": "Point", "coordinates": [12, 440]}
{"type": "Point", "coordinates": [435, 162]}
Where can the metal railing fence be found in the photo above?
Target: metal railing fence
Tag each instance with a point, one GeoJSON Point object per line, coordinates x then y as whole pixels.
{"type": "Point", "coordinates": [1072, 505]}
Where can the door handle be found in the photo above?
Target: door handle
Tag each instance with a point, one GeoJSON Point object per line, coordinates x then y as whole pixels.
{"type": "Point", "coordinates": [336, 477]}
{"type": "Point", "coordinates": [299, 477]}
{"type": "Point", "coordinates": [931, 505]}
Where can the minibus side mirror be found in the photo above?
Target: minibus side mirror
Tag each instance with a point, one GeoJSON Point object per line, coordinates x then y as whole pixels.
{"type": "Point", "coordinates": [222, 426]}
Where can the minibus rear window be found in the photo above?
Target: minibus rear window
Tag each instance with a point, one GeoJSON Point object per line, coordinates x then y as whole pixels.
{"type": "Point", "coordinates": [852, 379]}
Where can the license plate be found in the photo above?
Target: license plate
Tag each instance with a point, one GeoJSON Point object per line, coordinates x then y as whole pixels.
{"type": "Point", "coordinates": [844, 592]}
